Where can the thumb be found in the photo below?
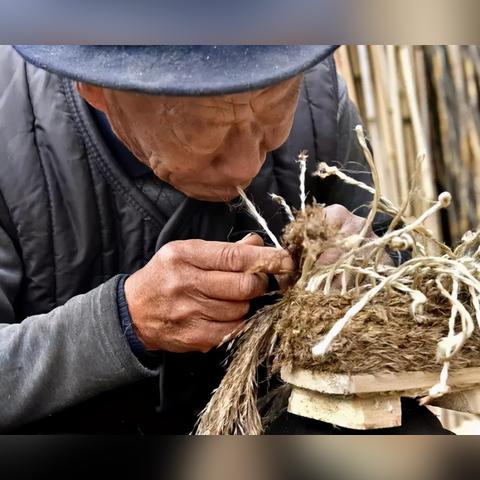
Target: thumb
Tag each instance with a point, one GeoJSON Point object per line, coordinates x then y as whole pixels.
{"type": "Point", "coordinates": [252, 239]}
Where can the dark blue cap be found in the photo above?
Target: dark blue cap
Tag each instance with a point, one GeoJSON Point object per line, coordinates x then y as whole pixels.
{"type": "Point", "coordinates": [177, 69]}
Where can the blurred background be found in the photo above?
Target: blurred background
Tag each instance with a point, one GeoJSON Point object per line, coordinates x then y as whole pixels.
{"type": "Point", "coordinates": [422, 102]}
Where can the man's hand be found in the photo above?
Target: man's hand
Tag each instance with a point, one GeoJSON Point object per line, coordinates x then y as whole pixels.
{"type": "Point", "coordinates": [345, 223]}
{"type": "Point", "coordinates": [193, 293]}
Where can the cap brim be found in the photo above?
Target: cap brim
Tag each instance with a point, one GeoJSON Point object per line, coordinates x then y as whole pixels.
{"type": "Point", "coordinates": [177, 69]}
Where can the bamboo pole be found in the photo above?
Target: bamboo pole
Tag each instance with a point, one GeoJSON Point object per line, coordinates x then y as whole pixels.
{"type": "Point", "coordinates": [419, 135]}
{"type": "Point", "coordinates": [449, 156]}
{"type": "Point", "coordinates": [372, 119]}
{"type": "Point", "coordinates": [422, 97]}
{"type": "Point", "coordinates": [343, 60]}
{"type": "Point", "coordinates": [472, 129]}
{"type": "Point", "coordinates": [396, 119]}
{"type": "Point", "coordinates": [460, 124]}
{"type": "Point", "coordinates": [421, 82]}
{"type": "Point", "coordinates": [384, 108]}
{"type": "Point", "coordinates": [357, 77]}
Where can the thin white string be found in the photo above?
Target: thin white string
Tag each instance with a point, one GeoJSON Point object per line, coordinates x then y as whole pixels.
{"type": "Point", "coordinates": [281, 201]}
{"type": "Point", "coordinates": [263, 223]}
{"type": "Point", "coordinates": [302, 160]}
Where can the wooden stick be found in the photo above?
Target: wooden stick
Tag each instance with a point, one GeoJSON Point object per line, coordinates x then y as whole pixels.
{"type": "Point", "coordinates": [461, 115]}
{"type": "Point", "coordinates": [421, 82]}
{"type": "Point", "coordinates": [357, 78]}
{"type": "Point", "coordinates": [473, 126]}
{"type": "Point", "coordinates": [396, 120]}
{"type": "Point", "coordinates": [372, 122]}
{"type": "Point", "coordinates": [450, 163]}
{"type": "Point", "coordinates": [384, 109]}
{"type": "Point", "coordinates": [420, 140]}
{"type": "Point", "coordinates": [343, 64]}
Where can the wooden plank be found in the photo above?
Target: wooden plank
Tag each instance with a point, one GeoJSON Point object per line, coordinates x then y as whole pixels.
{"type": "Point", "coordinates": [467, 401]}
{"type": "Point", "coordinates": [415, 383]}
{"type": "Point", "coordinates": [349, 412]}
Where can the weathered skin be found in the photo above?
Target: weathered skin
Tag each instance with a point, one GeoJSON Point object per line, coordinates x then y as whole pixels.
{"type": "Point", "coordinates": [193, 293]}
{"type": "Point", "coordinates": [204, 146]}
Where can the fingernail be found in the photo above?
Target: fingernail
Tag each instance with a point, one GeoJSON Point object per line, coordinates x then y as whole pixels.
{"type": "Point", "coordinates": [246, 237]}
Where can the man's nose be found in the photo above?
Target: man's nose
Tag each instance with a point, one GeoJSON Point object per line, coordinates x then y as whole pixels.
{"type": "Point", "coordinates": [241, 157]}
{"type": "Point", "coordinates": [239, 170]}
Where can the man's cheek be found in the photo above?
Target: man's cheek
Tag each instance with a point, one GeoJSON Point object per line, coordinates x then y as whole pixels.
{"type": "Point", "coordinates": [276, 136]}
{"type": "Point", "coordinates": [197, 139]}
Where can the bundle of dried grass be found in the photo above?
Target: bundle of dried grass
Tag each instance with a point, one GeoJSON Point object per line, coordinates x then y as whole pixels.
{"type": "Point", "coordinates": [419, 316]}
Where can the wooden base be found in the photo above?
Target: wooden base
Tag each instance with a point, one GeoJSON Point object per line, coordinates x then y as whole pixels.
{"type": "Point", "coordinates": [373, 401]}
{"type": "Point", "coordinates": [349, 412]}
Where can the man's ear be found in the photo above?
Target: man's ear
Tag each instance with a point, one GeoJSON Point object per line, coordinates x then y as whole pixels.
{"type": "Point", "coordinates": [93, 95]}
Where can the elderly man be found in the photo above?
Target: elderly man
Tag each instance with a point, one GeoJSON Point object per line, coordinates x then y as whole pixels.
{"type": "Point", "coordinates": [124, 255]}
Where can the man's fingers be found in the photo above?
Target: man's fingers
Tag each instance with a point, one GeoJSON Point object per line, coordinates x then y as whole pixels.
{"type": "Point", "coordinates": [329, 256]}
{"type": "Point", "coordinates": [212, 334]}
{"type": "Point", "coordinates": [234, 286]}
{"type": "Point", "coordinates": [285, 280]}
{"type": "Point", "coordinates": [216, 310]}
{"type": "Point", "coordinates": [335, 215]}
{"type": "Point", "coordinates": [236, 257]}
{"type": "Point", "coordinates": [232, 257]}
{"type": "Point", "coordinates": [354, 226]}
{"type": "Point", "coordinates": [344, 221]}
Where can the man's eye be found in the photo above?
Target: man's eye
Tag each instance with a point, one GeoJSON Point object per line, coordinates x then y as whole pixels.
{"type": "Point", "coordinates": [279, 112]}
{"type": "Point", "coordinates": [201, 139]}
{"type": "Point", "coordinates": [276, 114]}
{"type": "Point", "coordinates": [275, 118]}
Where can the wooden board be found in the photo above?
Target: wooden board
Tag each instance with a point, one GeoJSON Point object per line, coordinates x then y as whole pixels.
{"type": "Point", "coordinates": [349, 412]}
{"type": "Point", "coordinates": [467, 401]}
{"type": "Point", "coordinates": [406, 383]}
{"type": "Point", "coordinates": [373, 401]}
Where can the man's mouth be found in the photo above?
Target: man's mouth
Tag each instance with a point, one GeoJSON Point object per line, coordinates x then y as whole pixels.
{"type": "Point", "coordinates": [214, 194]}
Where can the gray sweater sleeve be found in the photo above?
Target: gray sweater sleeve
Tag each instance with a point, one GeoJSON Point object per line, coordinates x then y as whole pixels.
{"type": "Point", "coordinates": [51, 361]}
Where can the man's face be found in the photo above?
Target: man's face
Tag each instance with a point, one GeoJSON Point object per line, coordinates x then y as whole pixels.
{"type": "Point", "coordinates": [204, 146]}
